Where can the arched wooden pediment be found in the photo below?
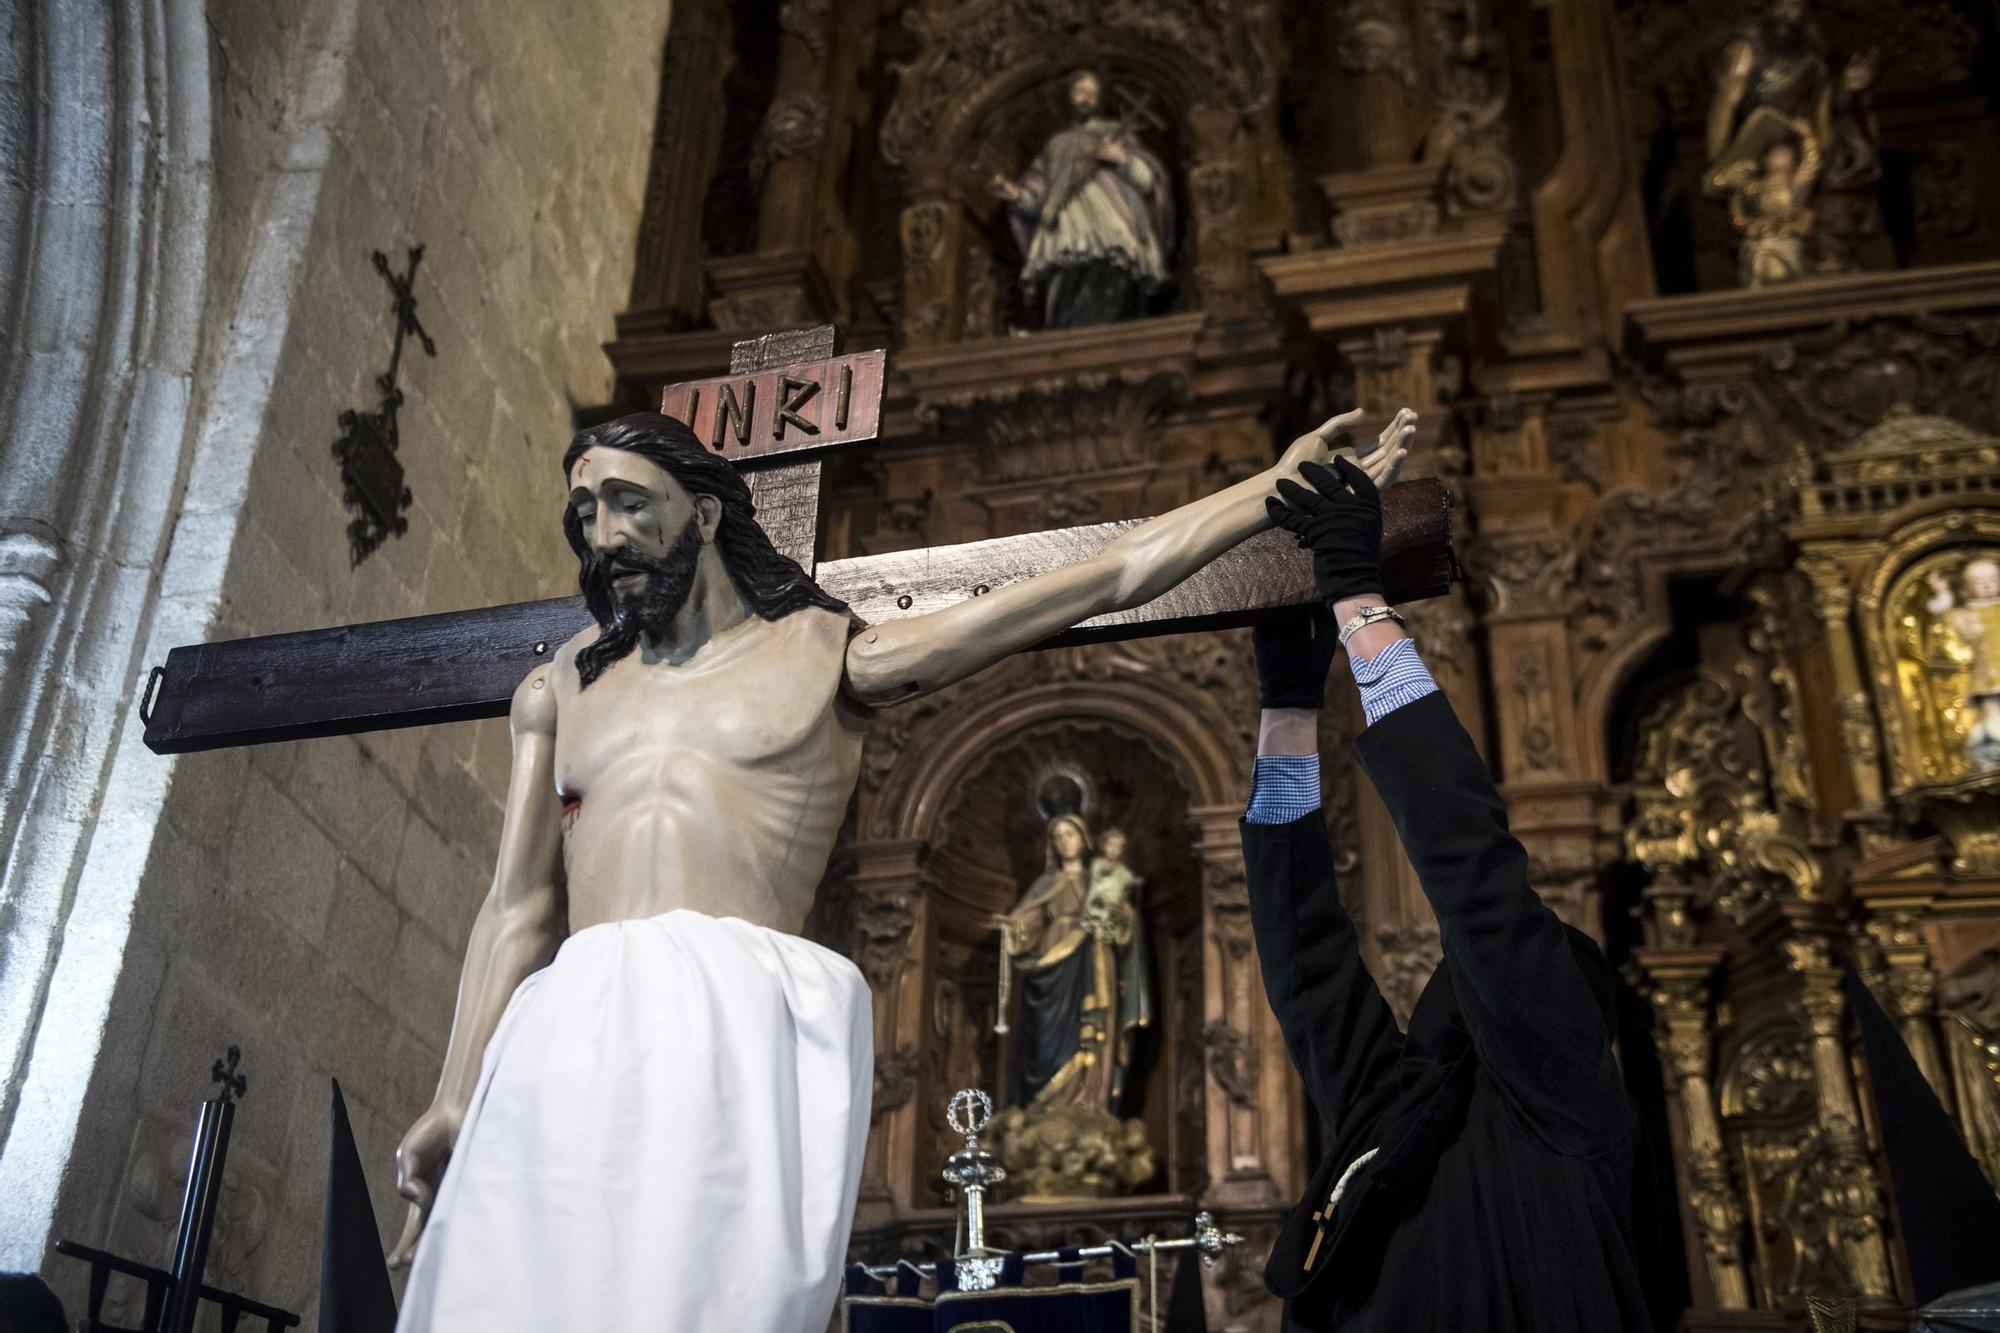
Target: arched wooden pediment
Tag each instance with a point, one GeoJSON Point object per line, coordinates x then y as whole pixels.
{"type": "Point", "coordinates": [977, 56]}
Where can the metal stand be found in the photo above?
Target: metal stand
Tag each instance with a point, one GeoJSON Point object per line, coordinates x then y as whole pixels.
{"type": "Point", "coordinates": [173, 1299]}
{"type": "Point", "coordinates": [973, 1170]}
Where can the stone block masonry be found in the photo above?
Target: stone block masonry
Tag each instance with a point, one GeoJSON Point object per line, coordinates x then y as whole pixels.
{"type": "Point", "coordinates": [311, 907]}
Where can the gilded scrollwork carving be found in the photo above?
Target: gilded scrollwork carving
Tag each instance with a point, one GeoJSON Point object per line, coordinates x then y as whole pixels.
{"type": "Point", "coordinates": [1705, 826]}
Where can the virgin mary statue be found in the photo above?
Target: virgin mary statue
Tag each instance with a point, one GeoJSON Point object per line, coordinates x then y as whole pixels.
{"type": "Point", "coordinates": [1078, 947]}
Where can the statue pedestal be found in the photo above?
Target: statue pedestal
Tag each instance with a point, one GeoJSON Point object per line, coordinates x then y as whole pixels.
{"type": "Point", "coordinates": [1072, 1152]}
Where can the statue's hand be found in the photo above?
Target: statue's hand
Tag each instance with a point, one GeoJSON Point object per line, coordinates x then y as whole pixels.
{"type": "Point", "coordinates": [1859, 74]}
{"type": "Point", "coordinates": [420, 1161]}
{"type": "Point", "coordinates": [1333, 436]}
{"type": "Point", "coordinates": [1112, 151]}
{"type": "Point", "coordinates": [1004, 188]}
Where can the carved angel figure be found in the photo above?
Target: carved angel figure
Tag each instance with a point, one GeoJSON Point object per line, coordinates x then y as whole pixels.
{"type": "Point", "coordinates": [1791, 146]}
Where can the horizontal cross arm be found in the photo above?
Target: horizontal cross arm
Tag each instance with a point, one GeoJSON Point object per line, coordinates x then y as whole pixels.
{"type": "Point", "coordinates": [1268, 572]}
{"type": "Point", "coordinates": [463, 665]}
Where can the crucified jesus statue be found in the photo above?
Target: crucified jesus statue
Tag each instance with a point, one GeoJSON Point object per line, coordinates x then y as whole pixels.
{"type": "Point", "coordinates": [655, 1095]}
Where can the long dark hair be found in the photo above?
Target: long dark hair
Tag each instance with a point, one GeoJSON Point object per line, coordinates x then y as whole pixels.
{"type": "Point", "coordinates": [771, 582]}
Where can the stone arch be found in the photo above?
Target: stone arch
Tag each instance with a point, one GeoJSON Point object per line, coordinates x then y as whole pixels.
{"type": "Point", "coordinates": [131, 401]}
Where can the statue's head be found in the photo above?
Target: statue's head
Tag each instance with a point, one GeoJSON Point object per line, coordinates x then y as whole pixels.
{"type": "Point", "coordinates": [1086, 92]}
{"type": "Point", "coordinates": [1069, 840]}
{"type": "Point", "coordinates": [1981, 578]}
{"type": "Point", "coordinates": [1781, 158]}
{"type": "Point", "coordinates": [1112, 846]}
{"type": "Point", "coordinates": [650, 512]}
{"type": "Point", "coordinates": [1789, 11]}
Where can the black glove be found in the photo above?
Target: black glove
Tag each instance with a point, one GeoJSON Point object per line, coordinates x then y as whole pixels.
{"type": "Point", "coordinates": [1340, 519]}
{"type": "Point", "coordinates": [1294, 653]}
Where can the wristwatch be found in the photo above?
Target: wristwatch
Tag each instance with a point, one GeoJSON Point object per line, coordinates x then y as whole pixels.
{"type": "Point", "coordinates": [1369, 615]}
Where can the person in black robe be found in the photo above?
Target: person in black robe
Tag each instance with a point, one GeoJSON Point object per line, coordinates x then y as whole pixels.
{"type": "Point", "coordinates": [1481, 1166]}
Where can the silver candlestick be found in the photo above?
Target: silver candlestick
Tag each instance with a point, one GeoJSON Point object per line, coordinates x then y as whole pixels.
{"type": "Point", "coordinates": [972, 1170]}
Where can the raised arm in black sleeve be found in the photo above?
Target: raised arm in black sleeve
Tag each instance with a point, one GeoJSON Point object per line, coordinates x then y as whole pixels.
{"type": "Point", "coordinates": [1337, 1026]}
{"type": "Point", "coordinates": [1535, 1022]}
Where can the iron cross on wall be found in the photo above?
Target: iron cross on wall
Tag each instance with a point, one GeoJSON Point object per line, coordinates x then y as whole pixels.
{"type": "Point", "coordinates": [786, 401]}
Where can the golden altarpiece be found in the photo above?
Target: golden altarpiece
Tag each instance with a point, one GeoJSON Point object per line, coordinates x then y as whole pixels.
{"type": "Point", "coordinates": [1713, 371]}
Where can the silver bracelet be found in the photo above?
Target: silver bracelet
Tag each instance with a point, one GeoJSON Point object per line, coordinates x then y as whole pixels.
{"type": "Point", "coordinates": [1369, 615]}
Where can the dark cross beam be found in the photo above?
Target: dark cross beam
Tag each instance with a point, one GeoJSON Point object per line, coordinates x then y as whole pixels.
{"type": "Point", "coordinates": [786, 400]}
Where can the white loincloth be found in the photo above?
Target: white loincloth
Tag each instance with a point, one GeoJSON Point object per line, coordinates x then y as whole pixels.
{"type": "Point", "coordinates": [666, 1135]}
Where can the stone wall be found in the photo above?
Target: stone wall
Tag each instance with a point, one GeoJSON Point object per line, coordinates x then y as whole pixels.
{"type": "Point", "coordinates": [308, 902]}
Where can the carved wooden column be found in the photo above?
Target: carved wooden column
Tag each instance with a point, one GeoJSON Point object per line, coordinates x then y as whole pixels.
{"type": "Point", "coordinates": [1252, 1122]}
{"type": "Point", "coordinates": [1527, 560]}
{"type": "Point", "coordinates": [783, 284]}
{"type": "Point", "coordinates": [1677, 984]}
{"type": "Point", "coordinates": [1859, 1205]}
{"type": "Point", "coordinates": [1367, 115]}
{"type": "Point", "coordinates": [933, 235]}
{"type": "Point", "coordinates": [687, 136]}
{"type": "Point", "coordinates": [1911, 986]}
{"type": "Point", "coordinates": [1833, 599]}
{"type": "Point", "coordinates": [894, 946]}
{"type": "Point", "coordinates": [1218, 194]}
{"type": "Point", "coordinates": [1590, 227]}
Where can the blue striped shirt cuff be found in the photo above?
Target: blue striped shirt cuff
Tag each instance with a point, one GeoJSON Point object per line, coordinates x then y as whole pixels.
{"type": "Point", "coordinates": [1393, 677]}
{"type": "Point", "coordinates": [1283, 787]}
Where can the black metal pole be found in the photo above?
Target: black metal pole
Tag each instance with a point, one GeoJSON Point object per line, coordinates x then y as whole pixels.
{"type": "Point", "coordinates": [204, 1195]}
{"type": "Point", "coordinates": [198, 1208]}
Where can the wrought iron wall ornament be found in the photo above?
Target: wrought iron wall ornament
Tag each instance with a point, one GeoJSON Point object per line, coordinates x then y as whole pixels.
{"type": "Point", "coordinates": [366, 449]}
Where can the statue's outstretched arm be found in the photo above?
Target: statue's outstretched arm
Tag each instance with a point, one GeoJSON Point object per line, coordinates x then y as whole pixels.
{"type": "Point", "coordinates": [897, 661]}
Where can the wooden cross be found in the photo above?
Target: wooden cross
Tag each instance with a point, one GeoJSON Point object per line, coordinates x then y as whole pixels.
{"type": "Point", "coordinates": [786, 401]}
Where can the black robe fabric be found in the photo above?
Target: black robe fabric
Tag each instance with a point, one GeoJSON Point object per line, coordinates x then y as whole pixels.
{"type": "Point", "coordinates": [1500, 1198]}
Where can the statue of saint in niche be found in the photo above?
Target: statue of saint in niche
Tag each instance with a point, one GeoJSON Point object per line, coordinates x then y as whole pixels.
{"type": "Point", "coordinates": [1094, 217]}
{"type": "Point", "coordinates": [1791, 147]}
{"type": "Point", "coordinates": [1961, 648]}
{"type": "Point", "coordinates": [1076, 941]}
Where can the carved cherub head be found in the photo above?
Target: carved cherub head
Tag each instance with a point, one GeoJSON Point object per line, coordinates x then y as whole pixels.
{"type": "Point", "coordinates": [1981, 579]}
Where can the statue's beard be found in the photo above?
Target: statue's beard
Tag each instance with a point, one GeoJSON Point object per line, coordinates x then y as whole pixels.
{"type": "Point", "coordinates": [626, 613]}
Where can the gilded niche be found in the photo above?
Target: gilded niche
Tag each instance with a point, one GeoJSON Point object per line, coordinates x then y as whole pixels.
{"type": "Point", "coordinates": [1943, 622]}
